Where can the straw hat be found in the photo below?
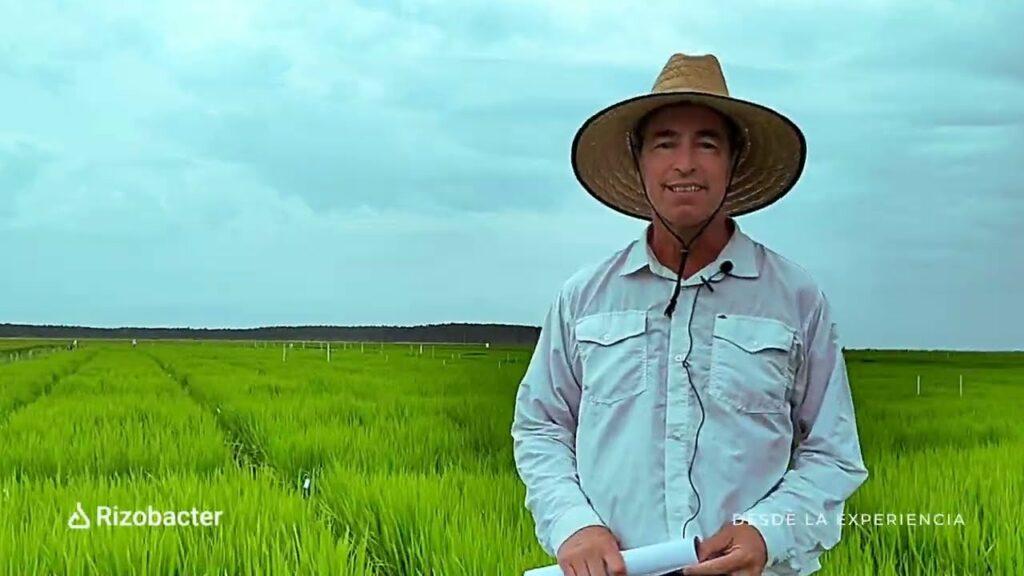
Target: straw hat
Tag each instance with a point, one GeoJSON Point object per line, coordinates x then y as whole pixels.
{"type": "Point", "coordinates": [771, 159]}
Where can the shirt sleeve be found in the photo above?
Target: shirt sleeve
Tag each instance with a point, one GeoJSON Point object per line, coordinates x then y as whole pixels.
{"type": "Point", "coordinates": [544, 435]}
{"type": "Point", "coordinates": [826, 466]}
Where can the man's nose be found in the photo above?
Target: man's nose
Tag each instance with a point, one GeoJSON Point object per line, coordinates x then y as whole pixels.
{"type": "Point", "coordinates": [682, 160]}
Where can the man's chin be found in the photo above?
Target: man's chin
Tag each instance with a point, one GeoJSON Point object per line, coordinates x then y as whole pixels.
{"type": "Point", "coordinates": [683, 219]}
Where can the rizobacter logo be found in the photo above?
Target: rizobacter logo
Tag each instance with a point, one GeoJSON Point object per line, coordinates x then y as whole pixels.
{"type": "Point", "coordinates": [114, 517]}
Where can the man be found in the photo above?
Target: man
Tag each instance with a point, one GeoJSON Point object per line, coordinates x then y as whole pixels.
{"type": "Point", "coordinates": [691, 384]}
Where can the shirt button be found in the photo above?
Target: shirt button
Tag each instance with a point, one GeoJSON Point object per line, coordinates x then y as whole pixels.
{"type": "Point", "coordinates": [679, 357]}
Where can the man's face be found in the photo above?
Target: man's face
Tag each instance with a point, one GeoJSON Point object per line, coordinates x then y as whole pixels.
{"type": "Point", "coordinates": [685, 161]}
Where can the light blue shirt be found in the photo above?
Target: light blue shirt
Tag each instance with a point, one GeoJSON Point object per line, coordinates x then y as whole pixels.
{"type": "Point", "coordinates": [605, 417]}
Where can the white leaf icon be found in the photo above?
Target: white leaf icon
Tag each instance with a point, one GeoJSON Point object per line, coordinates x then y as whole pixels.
{"type": "Point", "coordinates": [79, 520]}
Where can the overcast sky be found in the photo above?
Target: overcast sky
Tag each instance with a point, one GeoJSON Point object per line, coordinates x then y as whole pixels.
{"type": "Point", "coordinates": [237, 164]}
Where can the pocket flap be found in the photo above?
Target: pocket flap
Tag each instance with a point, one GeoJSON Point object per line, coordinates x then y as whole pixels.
{"type": "Point", "coordinates": [611, 327]}
{"type": "Point", "coordinates": [754, 333]}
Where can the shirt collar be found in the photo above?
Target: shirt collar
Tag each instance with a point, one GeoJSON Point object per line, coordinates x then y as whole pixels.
{"type": "Point", "coordinates": [740, 249]}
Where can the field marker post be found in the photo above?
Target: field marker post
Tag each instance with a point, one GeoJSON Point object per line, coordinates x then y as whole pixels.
{"type": "Point", "coordinates": [284, 352]}
{"type": "Point", "coordinates": [328, 352]}
{"type": "Point", "coordinates": [961, 385]}
{"type": "Point", "coordinates": [918, 384]}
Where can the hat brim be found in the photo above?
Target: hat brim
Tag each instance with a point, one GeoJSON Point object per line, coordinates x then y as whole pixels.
{"type": "Point", "coordinates": [770, 163]}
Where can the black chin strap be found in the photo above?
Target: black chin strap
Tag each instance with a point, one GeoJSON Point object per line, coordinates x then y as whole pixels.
{"type": "Point", "coordinates": [685, 246]}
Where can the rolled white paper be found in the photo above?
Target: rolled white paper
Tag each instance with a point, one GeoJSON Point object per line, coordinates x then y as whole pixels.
{"type": "Point", "coordinates": [652, 560]}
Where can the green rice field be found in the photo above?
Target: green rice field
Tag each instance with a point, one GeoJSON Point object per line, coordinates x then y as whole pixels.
{"type": "Point", "coordinates": [397, 460]}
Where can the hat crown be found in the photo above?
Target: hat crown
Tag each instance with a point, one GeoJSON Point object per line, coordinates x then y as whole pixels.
{"type": "Point", "coordinates": [692, 74]}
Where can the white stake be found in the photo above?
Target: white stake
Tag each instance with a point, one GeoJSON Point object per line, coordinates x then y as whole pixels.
{"type": "Point", "coordinates": [328, 352]}
{"type": "Point", "coordinates": [918, 384]}
{"type": "Point", "coordinates": [961, 385]}
{"type": "Point", "coordinates": [284, 353]}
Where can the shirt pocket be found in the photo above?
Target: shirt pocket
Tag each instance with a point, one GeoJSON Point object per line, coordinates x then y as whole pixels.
{"type": "Point", "coordinates": [613, 353]}
{"type": "Point", "coordinates": [751, 368]}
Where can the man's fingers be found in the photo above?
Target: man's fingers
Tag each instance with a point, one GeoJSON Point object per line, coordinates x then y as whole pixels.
{"type": "Point", "coordinates": [596, 567]}
{"type": "Point", "coordinates": [615, 563]}
{"type": "Point", "coordinates": [731, 562]}
{"type": "Point", "coordinates": [712, 546]}
{"type": "Point", "coordinates": [579, 567]}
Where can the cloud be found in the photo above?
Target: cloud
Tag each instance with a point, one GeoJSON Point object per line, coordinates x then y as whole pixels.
{"type": "Point", "coordinates": [231, 163]}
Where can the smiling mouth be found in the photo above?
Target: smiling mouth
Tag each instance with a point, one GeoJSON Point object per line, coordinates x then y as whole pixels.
{"type": "Point", "coordinates": [683, 188]}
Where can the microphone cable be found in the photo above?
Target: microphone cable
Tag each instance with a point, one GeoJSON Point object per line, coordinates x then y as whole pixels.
{"type": "Point", "coordinates": [670, 309]}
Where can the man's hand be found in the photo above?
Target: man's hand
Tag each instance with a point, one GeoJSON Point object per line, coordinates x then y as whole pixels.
{"type": "Point", "coordinates": [736, 549]}
{"type": "Point", "coordinates": [592, 551]}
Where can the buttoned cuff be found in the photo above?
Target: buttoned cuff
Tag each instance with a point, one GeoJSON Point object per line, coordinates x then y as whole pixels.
{"type": "Point", "coordinates": [571, 521]}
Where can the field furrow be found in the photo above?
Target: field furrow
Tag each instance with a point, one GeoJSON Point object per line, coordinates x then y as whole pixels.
{"type": "Point", "coordinates": [378, 451]}
{"type": "Point", "coordinates": [25, 382]}
{"type": "Point", "coordinates": [117, 415]}
{"type": "Point", "coordinates": [246, 451]}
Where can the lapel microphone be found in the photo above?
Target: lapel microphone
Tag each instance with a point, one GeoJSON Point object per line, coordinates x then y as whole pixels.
{"type": "Point", "coordinates": [725, 268]}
